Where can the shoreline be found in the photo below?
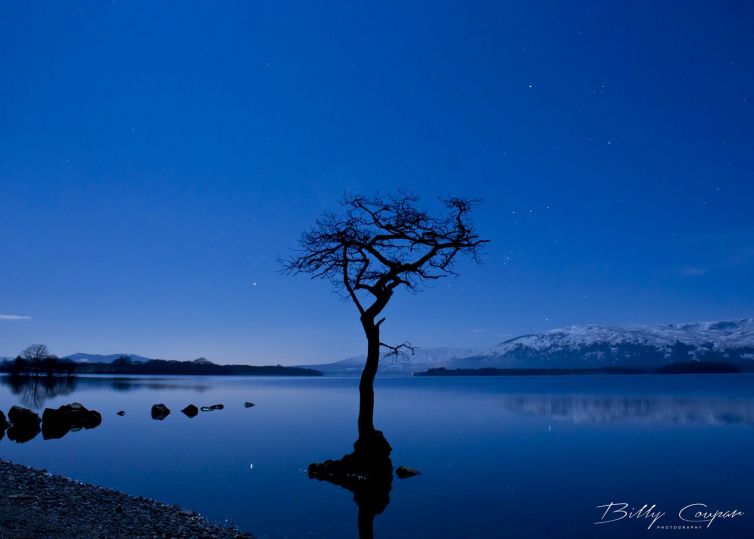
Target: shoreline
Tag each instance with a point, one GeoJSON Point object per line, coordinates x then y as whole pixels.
{"type": "Point", "coordinates": [36, 503]}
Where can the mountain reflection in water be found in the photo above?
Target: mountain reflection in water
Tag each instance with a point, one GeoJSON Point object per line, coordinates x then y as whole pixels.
{"type": "Point", "coordinates": [609, 408]}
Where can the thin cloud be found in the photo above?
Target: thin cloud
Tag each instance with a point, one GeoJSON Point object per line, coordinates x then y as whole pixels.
{"type": "Point", "coordinates": [14, 317]}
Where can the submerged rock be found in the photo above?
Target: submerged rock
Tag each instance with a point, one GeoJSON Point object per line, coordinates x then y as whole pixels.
{"type": "Point", "coordinates": [213, 407]}
{"type": "Point", "coordinates": [404, 472]}
{"type": "Point", "coordinates": [56, 423]}
{"type": "Point", "coordinates": [190, 411]}
{"type": "Point", "coordinates": [160, 411]}
{"type": "Point", "coordinates": [248, 404]}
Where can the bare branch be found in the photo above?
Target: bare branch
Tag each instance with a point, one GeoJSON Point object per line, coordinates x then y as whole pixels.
{"type": "Point", "coordinates": [400, 351]}
{"type": "Point", "coordinates": [347, 282]}
{"type": "Point", "coordinates": [379, 244]}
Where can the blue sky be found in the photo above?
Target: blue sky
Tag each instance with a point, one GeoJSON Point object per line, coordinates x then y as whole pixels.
{"type": "Point", "coordinates": [157, 157]}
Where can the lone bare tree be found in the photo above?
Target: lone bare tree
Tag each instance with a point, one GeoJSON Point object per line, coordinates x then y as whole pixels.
{"type": "Point", "coordinates": [374, 247]}
{"type": "Point", "coordinates": [35, 356]}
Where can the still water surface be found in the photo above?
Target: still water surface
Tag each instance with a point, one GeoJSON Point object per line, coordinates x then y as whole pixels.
{"type": "Point", "coordinates": [500, 457]}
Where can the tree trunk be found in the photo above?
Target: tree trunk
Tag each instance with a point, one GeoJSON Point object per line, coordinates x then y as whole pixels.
{"type": "Point", "coordinates": [368, 471]}
{"type": "Point", "coordinates": [366, 384]}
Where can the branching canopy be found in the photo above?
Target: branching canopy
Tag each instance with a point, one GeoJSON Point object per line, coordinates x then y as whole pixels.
{"type": "Point", "coordinates": [381, 243]}
{"type": "Point", "coordinates": [35, 353]}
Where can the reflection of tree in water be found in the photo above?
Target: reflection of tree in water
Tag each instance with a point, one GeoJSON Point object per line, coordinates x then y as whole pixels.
{"type": "Point", "coordinates": [371, 494]}
{"type": "Point", "coordinates": [372, 501]}
{"type": "Point", "coordinates": [35, 390]}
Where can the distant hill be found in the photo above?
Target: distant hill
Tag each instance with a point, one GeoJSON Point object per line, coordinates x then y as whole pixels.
{"type": "Point", "coordinates": [201, 367]}
{"type": "Point", "coordinates": [586, 347]}
{"type": "Point", "coordinates": [82, 357]}
{"type": "Point", "coordinates": [202, 361]}
{"type": "Point", "coordinates": [422, 359]}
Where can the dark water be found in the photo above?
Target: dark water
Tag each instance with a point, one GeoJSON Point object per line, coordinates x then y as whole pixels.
{"type": "Point", "coordinates": [501, 457]}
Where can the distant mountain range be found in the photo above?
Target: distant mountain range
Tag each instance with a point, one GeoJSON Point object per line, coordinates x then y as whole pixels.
{"type": "Point", "coordinates": [574, 347]}
{"type": "Point", "coordinates": [422, 359]}
{"type": "Point", "coordinates": [82, 357]}
{"type": "Point", "coordinates": [104, 358]}
{"type": "Point", "coordinates": [587, 346]}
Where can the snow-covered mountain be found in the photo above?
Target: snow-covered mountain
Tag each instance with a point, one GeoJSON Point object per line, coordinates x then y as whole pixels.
{"type": "Point", "coordinates": [82, 357]}
{"type": "Point", "coordinates": [573, 347]}
{"type": "Point", "coordinates": [625, 346]}
{"type": "Point", "coordinates": [587, 346]}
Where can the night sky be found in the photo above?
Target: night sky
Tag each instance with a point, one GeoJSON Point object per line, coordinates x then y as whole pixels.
{"type": "Point", "coordinates": [156, 158]}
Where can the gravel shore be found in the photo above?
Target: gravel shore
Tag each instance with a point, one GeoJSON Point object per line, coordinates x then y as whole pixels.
{"type": "Point", "coordinates": [36, 504]}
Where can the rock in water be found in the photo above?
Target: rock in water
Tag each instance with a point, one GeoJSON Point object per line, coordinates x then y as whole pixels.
{"type": "Point", "coordinates": [190, 410]}
{"type": "Point", "coordinates": [248, 404]}
{"type": "Point", "coordinates": [25, 424]}
{"type": "Point", "coordinates": [75, 416]}
{"type": "Point", "coordinates": [23, 416]}
{"type": "Point", "coordinates": [213, 407]}
{"type": "Point", "coordinates": [404, 472]}
{"type": "Point", "coordinates": [160, 412]}
{"type": "Point", "coordinates": [121, 413]}
{"type": "Point", "coordinates": [3, 422]}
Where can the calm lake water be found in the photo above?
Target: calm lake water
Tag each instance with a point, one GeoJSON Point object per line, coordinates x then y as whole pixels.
{"type": "Point", "coordinates": [500, 457]}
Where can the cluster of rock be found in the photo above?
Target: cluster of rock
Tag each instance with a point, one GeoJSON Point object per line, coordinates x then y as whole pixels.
{"type": "Point", "coordinates": [23, 424]}
{"type": "Point", "coordinates": [160, 411]}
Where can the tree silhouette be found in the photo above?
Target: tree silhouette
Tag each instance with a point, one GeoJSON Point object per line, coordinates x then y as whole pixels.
{"type": "Point", "coordinates": [35, 356]}
{"type": "Point", "coordinates": [376, 246]}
